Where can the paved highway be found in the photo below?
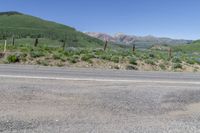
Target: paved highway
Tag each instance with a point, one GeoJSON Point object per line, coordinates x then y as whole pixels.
{"type": "Point", "coordinates": [37, 99]}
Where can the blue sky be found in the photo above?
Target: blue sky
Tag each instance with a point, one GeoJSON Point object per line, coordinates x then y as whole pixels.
{"type": "Point", "coordinates": [164, 18]}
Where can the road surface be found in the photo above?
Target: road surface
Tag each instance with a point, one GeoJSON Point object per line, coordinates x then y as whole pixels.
{"type": "Point", "coordinates": [37, 99]}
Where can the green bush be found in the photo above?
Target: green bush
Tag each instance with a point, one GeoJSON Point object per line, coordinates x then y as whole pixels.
{"type": "Point", "coordinates": [144, 56]}
{"type": "Point", "coordinates": [87, 57]}
{"type": "Point", "coordinates": [131, 67]}
{"type": "Point", "coordinates": [151, 55]}
{"type": "Point", "coordinates": [133, 61]}
{"type": "Point", "coordinates": [12, 59]}
{"type": "Point", "coordinates": [106, 57]}
{"type": "Point", "coordinates": [73, 59]}
{"type": "Point", "coordinates": [151, 62]}
{"type": "Point", "coordinates": [43, 62]}
{"type": "Point", "coordinates": [177, 66]}
{"type": "Point", "coordinates": [59, 56]}
{"type": "Point", "coordinates": [162, 66]}
{"type": "Point", "coordinates": [72, 51]}
{"type": "Point", "coordinates": [176, 60]}
{"type": "Point", "coordinates": [115, 59]}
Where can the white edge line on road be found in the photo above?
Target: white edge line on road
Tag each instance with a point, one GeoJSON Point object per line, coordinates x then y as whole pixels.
{"type": "Point", "coordinates": [100, 80]}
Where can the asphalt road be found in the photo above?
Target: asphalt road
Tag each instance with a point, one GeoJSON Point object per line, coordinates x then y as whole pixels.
{"type": "Point", "coordinates": [60, 100]}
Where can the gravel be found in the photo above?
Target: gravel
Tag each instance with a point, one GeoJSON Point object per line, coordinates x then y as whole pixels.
{"type": "Point", "coordinates": [53, 106]}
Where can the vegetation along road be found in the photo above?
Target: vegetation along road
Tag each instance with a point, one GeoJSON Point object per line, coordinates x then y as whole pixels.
{"type": "Point", "coordinates": [37, 99]}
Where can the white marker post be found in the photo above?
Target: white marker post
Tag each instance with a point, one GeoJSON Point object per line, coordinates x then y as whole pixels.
{"type": "Point", "coordinates": [5, 45]}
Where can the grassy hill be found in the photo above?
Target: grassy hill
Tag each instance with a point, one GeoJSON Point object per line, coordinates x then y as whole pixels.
{"type": "Point", "coordinates": [22, 26]}
{"type": "Point", "coordinates": [188, 48]}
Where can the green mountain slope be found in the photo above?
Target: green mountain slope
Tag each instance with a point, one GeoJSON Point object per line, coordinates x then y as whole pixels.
{"type": "Point", "coordinates": [22, 26]}
{"type": "Point", "coordinates": [194, 47]}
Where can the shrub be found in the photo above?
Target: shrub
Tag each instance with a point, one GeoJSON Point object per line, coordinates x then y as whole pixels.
{"type": "Point", "coordinates": [115, 59]}
{"type": "Point", "coordinates": [84, 51]}
{"type": "Point", "coordinates": [106, 57]}
{"type": "Point", "coordinates": [132, 61]}
{"type": "Point", "coordinates": [151, 55]}
{"type": "Point", "coordinates": [43, 62]}
{"type": "Point", "coordinates": [58, 56]}
{"type": "Point", "coordinates": [12, 59]}
{"type": "Point", "coordinates": [87, 57]}
{"type": "Point", "coordinates": [73, 59]}
{"type": "Point", "coordinates": [72, 51]}
{"type": "Point", "coordinates": [131, 67]}
{"type": "Point", "coordinates": [144, 56]}
{"type": "Point", "coordinates": [176, 60]}
{"type": "Point", "coordinates": [177, 66]}
{"type": "Point", "coordinates": [151, 62]}
{"type": "Point", "coordinates": [162, 66]}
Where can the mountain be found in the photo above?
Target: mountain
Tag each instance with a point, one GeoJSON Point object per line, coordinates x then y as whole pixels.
{"type": "Point", "coordinates": [141, 42]}
{"type": "Point", "coordinates": [21, 25]}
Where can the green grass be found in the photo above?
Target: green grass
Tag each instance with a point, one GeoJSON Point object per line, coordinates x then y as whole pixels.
{"type": "Point", "coordinates": [189, 48]}
{"type": "Point", "coordinates": [22, 26]}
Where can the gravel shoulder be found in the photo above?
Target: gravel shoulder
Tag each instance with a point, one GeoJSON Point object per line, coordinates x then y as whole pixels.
{"type": "Point", "coordinates": [49, 106]}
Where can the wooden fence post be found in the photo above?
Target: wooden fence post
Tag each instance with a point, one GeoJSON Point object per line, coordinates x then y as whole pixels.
{"type": "Point", "coordinates": [36, 42]}
{"type": "Point", "coordinates": [64, 44]}
{"type": "Point", "coordinates": [5, 46]}
{"type": "Point", "coordinates": [105, 46]}
{"type": "Point", "coordinates": [133, 48]}
{"type": "Point", "coordinates": [13, 41]}
{"type": "Point", "coordinates": [170, 53]}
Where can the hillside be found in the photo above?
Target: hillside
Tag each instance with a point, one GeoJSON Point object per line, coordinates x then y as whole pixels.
{"type": "Point", "coordinates": [21, 26]}
{"type": "Point", "coordinates": [194, 47]}
{"type": "Point", "coordinates": [140, 42]}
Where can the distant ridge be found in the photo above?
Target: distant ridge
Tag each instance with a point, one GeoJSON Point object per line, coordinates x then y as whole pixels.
{"type": "Point", "coordinates": [139, 41]}
{"type": "Point", "coordinates": [10, 13]}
